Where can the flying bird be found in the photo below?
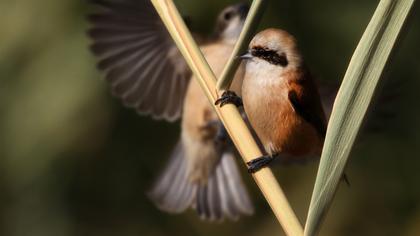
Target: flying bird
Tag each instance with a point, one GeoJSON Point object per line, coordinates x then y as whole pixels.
{"type": "Point", "coordinates": [147, 72]}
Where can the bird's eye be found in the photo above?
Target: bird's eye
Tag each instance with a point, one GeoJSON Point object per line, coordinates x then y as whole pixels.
{"type": "Point", "coordinates": [270, 56]}
{"type": "Point", "coordinates": [228, 15]}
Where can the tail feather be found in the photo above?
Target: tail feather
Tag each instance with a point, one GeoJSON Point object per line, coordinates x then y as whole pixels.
{"type": "Point", "coordinates": [180, 191]}
{"type": "Point", "coordinates": [227, 204]}
{"type": "Point", "coordinates": [171, 171]}
{"type": "Point", "coordinates": [203, 207]}
{"type": "Point", "coordinates": [172, 191]}
{"type": "Point", "coordinates": [223, 196]}
{"type": "Point", "coordinates": [236, 186]}
{"type": "Point", "coordinates": [214, 199]}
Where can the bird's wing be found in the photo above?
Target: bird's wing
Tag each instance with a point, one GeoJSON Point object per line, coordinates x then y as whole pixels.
{"type": "Point", "coordinates": [383, 108]}
{"type": "Point", "coordinates": [305, 99]}
{"type": "Point", "coordinates": [140, 60]}
{"type": "Point", "coordinates": [328, 92]}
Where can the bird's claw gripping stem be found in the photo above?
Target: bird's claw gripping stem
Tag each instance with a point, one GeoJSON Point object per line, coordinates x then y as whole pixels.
{"type": "Point", "coordinates": [229, 97]}
{"type": "Point", "coordinates": [258, 163]}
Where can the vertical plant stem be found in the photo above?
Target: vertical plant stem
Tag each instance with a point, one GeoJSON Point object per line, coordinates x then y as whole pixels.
{"type": "Point", "coordinates": [253, 19]}
{"type": "Point", "coordinates": [229, 115]}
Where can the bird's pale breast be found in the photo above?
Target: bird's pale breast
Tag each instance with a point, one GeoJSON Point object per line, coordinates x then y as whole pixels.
{"type": "Point", "coordinates": [279, 127]}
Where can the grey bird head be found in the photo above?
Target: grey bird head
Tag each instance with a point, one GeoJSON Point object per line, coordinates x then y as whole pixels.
{"type": "Point", "coordinates": [231, 21]}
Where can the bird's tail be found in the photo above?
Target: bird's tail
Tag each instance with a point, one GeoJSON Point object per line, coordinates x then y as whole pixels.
{"type": "Point", "coordinates": [223, 196]}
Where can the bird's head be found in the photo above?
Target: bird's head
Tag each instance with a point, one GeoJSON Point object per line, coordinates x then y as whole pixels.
{"type": "Point", "coordinates": [275, 47]}
{"type": "Point", "coordinates": [231, 21]}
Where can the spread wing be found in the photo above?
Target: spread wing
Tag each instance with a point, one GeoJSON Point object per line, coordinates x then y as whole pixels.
{"type": "Point", "coordinates": [139, 59]}
{"type": "Point", "coordinates": [306, 101]}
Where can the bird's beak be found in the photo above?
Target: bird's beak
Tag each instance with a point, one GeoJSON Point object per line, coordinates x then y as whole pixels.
{"type": "Point", "coordinates": [243, 9]}
{"type": "Point", "coordinates": [246, 56]}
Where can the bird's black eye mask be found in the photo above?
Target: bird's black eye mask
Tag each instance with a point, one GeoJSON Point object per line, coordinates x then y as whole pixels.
{"type": "Point", "coordinates": [271, 56]}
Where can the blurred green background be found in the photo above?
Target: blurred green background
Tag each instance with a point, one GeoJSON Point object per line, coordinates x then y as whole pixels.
{"type": "Point", "coordinates": [73, 161]}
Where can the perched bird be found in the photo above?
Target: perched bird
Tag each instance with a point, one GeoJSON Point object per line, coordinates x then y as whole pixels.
{"type": "Point", "coordinates": [281, 99]}
{"type": "Point", "coordinates": [147, 72]}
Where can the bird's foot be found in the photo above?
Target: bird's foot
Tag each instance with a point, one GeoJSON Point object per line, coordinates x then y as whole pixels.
{"type": "Point", "coordinates": [345, 178]}
{"type": "Point", "coordinates": [221, 136]}
{"type": "Point", "coordinates": [212, 124]}
{"type": "Point", "coordinates": [229, 97]}
{"type": "Point", "coordinates": [259, 163]}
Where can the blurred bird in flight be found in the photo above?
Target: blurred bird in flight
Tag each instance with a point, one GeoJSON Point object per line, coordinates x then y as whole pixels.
{"type": "Point", "coordinates": [148, 73]}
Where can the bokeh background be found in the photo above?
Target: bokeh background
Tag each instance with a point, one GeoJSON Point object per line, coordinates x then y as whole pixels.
{"type": "Point", "coordinates": [73, 161]}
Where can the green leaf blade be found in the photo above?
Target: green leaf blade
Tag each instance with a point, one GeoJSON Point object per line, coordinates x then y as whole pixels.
{"type": "Point", "coordinates": [352, 102]}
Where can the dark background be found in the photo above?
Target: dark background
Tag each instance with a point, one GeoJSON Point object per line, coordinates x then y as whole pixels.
{"type": "Point", "coordinates": [73, 161]}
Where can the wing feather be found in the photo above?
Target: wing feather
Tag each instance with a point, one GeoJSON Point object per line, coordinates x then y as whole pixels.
{"type": "Point", "coordinates": [139, 58]}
